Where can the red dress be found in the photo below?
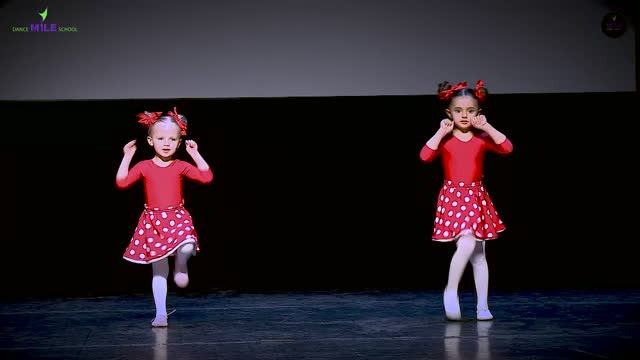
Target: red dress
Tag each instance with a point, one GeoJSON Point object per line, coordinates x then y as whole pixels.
{"type": "Point", "coordinates": [165, 224]}
{"type": "Point", "coordinates": [464, 205]}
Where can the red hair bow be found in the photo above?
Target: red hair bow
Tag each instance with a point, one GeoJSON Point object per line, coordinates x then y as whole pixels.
{"type": "Point", "coordinates": [183, 126]}
{"type": "Point", "coordinates": [480, 91]}
{"type": "Point", "coordinates": [148, 118]}
{"type": "Point", "coordinates": [446, 94]}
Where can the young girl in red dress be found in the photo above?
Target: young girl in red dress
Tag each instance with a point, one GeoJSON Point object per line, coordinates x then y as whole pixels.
{"type": "Point", "coordinates": [465, 213]}
{"type": "Point", "coordinates": [165, 227]}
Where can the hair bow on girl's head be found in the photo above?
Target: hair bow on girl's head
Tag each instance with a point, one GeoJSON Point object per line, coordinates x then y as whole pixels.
{"type": "Point", "coordinates": [447, 93]}
{"type": "Point", "coordinates": [183, 126]}
{"type": "Point", "coordinates": [148, 118]}
{"type": "Point", "coordinates": [480, 91]}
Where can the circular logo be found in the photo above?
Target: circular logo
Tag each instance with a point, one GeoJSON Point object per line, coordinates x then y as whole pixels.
{"type": "Point", "coordinates": [614, 25]}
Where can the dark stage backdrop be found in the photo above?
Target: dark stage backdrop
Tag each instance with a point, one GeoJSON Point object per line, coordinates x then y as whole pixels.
{"type": "Point", "coordinates": [314, 194]}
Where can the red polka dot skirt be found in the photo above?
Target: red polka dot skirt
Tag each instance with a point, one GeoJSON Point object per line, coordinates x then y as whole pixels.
{"type": "Point", "coordinates": [465, 208]}
{"type": "Point", "coordinates": [160, 232]}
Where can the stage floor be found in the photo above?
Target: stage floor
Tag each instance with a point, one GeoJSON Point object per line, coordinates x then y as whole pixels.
{"type": "Point", "coordinates": [371, 325]}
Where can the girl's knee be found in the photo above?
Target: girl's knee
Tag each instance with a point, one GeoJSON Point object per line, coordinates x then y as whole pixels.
{"type": "Point", "coordinates": [160, 268]}
{"type": "Point", "coordinates": [187, 249]}
{"type": "Point", "coordinates": [466, 243]}
{"type": "Point", "coordinates": [478, 259]}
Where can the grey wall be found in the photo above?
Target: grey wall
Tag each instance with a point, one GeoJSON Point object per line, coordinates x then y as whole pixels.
{"type": "Point", "coordinates": [271, 48]}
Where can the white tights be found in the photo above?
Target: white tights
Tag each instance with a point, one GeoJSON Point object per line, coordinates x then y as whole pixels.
{"type": "Point", "coordinates": [470, 250]}
{"type": "Point", "coordinates": [161, 271]}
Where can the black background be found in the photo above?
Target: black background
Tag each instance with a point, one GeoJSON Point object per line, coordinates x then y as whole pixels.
{"type": "Point", "coordinates": [314, 194]}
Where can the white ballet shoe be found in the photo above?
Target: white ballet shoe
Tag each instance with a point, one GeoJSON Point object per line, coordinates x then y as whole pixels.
{"type": "Point", "coordinates": [160, 321]}
{"type": "Point", "coordinates": [484, 314]}
{"type": "Point", "coordinates": [452, 305]}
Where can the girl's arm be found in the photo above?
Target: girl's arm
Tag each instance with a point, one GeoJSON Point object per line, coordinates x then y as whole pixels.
{"type": "Point", "coordinates": [203, 172]}
{"type": "Point", "coordinates": [124, 177]}
{"type": "Point", "coordinates": [430, 149]}
{"type": "Point", "coordinates": [498, 141]}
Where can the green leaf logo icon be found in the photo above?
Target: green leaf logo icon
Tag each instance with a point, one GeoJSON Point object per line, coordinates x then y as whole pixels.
{"type": "Point", "coordinates": [44, 14]}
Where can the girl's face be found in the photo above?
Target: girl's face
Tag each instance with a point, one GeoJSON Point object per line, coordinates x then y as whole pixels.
{"type": "Point", "coordinates": [461, 110]}
{"type": "Point", "coordinates": [165, 138]}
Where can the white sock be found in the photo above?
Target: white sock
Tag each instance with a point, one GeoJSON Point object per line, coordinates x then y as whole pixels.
{"type": "Point", "coordinates": [159, 285]}
{"type": "Point", "coordinates": [480, 275]}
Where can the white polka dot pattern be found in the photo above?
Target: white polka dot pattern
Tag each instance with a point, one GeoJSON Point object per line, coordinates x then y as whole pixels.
{"type": "Point", "coordinates": [149, 242]}
{"type": "Point", "coordinates": [463, 206]}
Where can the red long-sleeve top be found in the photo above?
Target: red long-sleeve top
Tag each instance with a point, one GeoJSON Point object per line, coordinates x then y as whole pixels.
{"type": "Point", "coordinates": [464, 160]}
{"type": "Point", "coordinates": [163, 185]}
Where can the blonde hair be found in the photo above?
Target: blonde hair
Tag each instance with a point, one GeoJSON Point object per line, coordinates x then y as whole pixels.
{"type": "Point", "coordinates": [167, 118]}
